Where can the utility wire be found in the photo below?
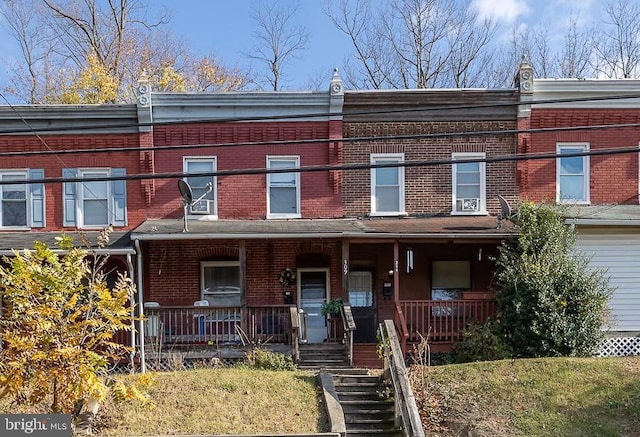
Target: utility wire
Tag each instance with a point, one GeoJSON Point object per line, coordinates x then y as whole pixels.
{"type": "Point", "coordinates": [322, 140]}
{"type": "Point", "coordinates": [340, 167]}
{"type": "Point", "coordinates": [315, 115]}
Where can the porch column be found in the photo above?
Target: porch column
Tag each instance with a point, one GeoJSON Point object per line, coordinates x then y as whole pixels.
{"type": "Point", "coordinates": [396, 271]}
{"type": "Point", "coordinates": [345, 270]}
{"type": "Point", "coordinates": [242, 255]}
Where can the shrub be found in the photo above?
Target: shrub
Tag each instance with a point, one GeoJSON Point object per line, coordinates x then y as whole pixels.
{"type": "Point", "coordinates": [268, 360]}
{"type": "Point", "coordinates": [481, 342]}
{"type": "Point", "coordinates": [550, 303]}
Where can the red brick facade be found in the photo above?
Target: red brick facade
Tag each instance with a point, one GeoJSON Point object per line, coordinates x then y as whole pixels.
{"type": "Point", "coordinates": [53, 165]}
{"type": "Point", "coordinates": [244, 196]}
{"type": "Point", "coordinates": [172, 270]}
{"type": "Point", "coordinates": [613, 179]}
{"type": "Point", "coordinates": [428, 189]}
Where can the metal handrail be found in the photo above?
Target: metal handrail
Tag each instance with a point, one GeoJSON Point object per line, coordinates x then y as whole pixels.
{"type": "Point", "coordinates": [405, 401]}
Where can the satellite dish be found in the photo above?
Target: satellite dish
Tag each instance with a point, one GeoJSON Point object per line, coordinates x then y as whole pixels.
{"type": "Point", "coordinates": [185, 191]}
{"type": "Point", "coordinates": [187, 198]}
{"type": "Point", "coordinates": [505, 211]}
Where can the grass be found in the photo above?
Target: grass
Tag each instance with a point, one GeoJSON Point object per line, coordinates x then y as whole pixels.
{"type": "Point", "coordinates": [533, 397]}
{"type": "Point", "coordinates": [219, 401]}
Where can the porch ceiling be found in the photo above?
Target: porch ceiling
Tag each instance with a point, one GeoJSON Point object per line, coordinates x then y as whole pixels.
{"type": "Point", "coordinates": [404, 227]}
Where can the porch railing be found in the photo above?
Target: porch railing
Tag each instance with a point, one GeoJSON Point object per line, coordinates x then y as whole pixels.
{"type": "Point", "coordinates": [444, 320]}
{"type": "Point", "coordinates": [175, 325]}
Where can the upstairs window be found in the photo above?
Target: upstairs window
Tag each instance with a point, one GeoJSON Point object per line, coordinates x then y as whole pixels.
{"type": "Point", "coordinates": [387, 185]}
{"type": "Point", "coordinates": [21, 204]}
{"type": "Point", "coordinates": [468, 182]}
{"type": "Point", "coordinates": [283, 189]}
{"type": "Point", "coordinates": [97, 203]}
{"type": "Point", "coordinates": [200, 185]}
{"type": "Point", "coordinates": [572, 181]}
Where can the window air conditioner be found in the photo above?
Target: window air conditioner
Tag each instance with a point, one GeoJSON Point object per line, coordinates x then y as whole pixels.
{"type": "Point", "coordinates": [471, 204]}
{"type": "Point", "coordinates": [201, 207]}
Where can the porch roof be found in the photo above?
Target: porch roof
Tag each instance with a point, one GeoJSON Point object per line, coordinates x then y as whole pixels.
{"type": "Point", "coordinates": [119, 242]}
{"type": "Point", "coordinates": [402, 227]}
{"type": "Point", "coordinates": [603, 215]}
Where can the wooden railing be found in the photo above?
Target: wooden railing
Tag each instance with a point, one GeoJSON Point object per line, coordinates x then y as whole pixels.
{"type": "Point", "coordinates": [401, 326]}
{"type": "Point", "coordinates": [444, 320]}
{"type": "Point", "coordinates": [295, 333]}
{"type": "Point", "coordinates": [406, 410]}
{"type": "Point", "coordinates": [175, 325]}
{"type": "Point", "coordinates": [348, 326]}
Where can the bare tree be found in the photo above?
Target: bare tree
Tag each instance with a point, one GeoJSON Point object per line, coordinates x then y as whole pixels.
{"type": "Point", "coordinates": [575, 56]}
{"type": "Point", "coordinates": [25, 25]}
{"type": "Point", "coordinates": [618, 50]}
{"type": "Point", "coordinates": [278, 38]}
{"type": "Point", "coordinates": [412, 43]}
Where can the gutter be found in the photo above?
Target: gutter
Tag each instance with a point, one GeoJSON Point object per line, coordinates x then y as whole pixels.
{"type": "Point", "coordinates": [603, 222]}
{"type": "Point", "coordinates": [303, 235]}
{"type": "Point", "coordinates": [124, 251]}
{"type": "Point", "coordinates": [143, 363]}
{"type": "Point", "coordinates": [133, 322]}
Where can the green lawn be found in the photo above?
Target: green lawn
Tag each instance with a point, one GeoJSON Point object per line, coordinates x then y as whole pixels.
{"type": "Point", "coordinates": [533, 397]}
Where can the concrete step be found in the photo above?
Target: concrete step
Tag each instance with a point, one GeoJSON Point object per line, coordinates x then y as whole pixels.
{"type": "Point", "coordinates": [362, 396]}
{"type": "Point", "coordinates": [377, 433]}
{"type": "Point", "coordinates": [365, 406]}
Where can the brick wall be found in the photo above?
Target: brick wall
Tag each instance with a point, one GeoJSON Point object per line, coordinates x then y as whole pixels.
{"type": "Point", "coordinates": [428, 189]}
{"type": "Point", "coordinates": [53, 165]}
{"type": "Point", "coordinates": [244, 196]}
{"type": "Point", "coordinates": [172, 270]}
{"type": "Point", "coordinates": [613, 178]}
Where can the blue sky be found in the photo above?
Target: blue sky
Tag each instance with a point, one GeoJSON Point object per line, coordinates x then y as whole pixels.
{"type": "Point", "coordinates": [225, 28]}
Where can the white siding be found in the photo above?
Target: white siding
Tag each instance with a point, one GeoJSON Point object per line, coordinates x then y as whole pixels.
{"type": "Point", "coordinates": [619, 254]}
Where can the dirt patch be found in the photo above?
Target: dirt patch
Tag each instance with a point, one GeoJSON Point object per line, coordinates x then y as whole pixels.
{"type": "Point", "coordinates": [447, 410]}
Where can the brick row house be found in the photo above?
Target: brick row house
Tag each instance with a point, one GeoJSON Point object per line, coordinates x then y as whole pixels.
{"type": "Point", "coordinates": [387, 200]}
{"type": "Point", "coordinates": [597, 124]}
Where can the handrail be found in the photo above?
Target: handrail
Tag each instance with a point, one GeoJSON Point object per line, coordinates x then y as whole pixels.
{"type": "Point", "coordinates": [403, 395]}
{"type": "Point", "coordinates": [349, 325]}
{"type": "Point", "coordinates": [295, 333]}
{"type": "Point", "coordinates": [404, 330]}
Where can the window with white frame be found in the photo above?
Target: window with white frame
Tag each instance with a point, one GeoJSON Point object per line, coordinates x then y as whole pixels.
{"type": "Point", "coordinates": [387, 184]}
{"type": "Point", "coordinates": [220, 283]}
{"type": "Point", "coordinates": [202, 186]}
{"type": "Point", "coordinates": [97, 203]}
{"type": "Point", "coordinates": [572, 181]}
{"type": "Point", "coordinates": [283, 189]}
{"type": "Point", "coordinates": [468, 182]}
{"type": "Point", "coordinates": [21, 204]}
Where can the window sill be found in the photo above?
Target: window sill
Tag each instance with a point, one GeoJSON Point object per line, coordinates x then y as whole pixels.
{"type": "Point", "coordinates": [574, 202]}
{"type": "Point", "coordinates": [471, 213]}
{"type": "Point", "coordinates": [387, 214]}
{"type": "Point", "coordinates": [203, 217]}
{"type": "Point", "coordinates": [283, 216]}
{"type": "Point", "coordinates": [15, 228]}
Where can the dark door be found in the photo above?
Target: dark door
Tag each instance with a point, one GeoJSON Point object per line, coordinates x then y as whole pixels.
{"type": "Point", "coordinates": [361, 300]}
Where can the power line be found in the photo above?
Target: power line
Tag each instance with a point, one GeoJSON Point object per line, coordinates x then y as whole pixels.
{"type": "Point", "coordinates": [318, 114]}
{"type": "Point", "coordinates": [340, 167]}
{"type": "Point", "coordinates": [322, 140]}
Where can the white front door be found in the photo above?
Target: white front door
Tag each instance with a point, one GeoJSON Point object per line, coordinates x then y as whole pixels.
{"type": "Point", "coordinates": [313, 289]}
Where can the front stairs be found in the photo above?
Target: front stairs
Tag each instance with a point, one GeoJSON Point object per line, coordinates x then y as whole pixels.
{"type": "Point", "coordinates": [367, 404]}
{"type": "Point", "coordinates": [318, 356]}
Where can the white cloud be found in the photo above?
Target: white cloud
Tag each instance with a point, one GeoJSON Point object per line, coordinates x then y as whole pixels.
{"type": "Point", "coordinates": [506, 11]}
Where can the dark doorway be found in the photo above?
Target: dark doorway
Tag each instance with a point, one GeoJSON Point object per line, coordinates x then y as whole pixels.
{"type": "Point", "coordinates": [362, 306]}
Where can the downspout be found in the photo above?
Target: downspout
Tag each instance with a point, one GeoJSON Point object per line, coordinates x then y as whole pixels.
{"type": "Point", "coordinates": [143, 363]}
{"type": "Point", "coordinates": [133, 316]}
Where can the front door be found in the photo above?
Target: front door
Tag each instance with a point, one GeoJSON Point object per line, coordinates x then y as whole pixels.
{"type": "Point", "coordinates": [313, 286]}
{"type": "Point", "coordinates": [361, 301]}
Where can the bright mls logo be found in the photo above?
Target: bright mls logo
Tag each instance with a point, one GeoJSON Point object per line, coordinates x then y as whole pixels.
{"type": "Point", "coordinates": [49, 425]}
